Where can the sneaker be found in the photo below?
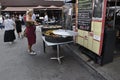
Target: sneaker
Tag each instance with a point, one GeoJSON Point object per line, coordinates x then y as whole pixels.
{"type": "Point", "coordinates": [32, 53]}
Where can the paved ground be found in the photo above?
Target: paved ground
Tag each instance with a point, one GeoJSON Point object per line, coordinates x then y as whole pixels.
{"type": "Point", "coordinates": [16, 64]}
{"type": "Point", "coordinates": [109, 71]}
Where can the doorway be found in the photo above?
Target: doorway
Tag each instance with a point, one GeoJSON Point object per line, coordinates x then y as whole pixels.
{"type": "Point", "coordinates": [113, 21]}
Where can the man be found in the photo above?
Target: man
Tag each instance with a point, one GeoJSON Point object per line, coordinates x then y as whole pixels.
{"type": "Point", "coordinates": [1, 22]}
{"type": "Point", "coordinates": [46, 19]}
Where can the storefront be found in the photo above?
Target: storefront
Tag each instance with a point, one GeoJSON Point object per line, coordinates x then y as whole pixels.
{"type": "Point", "coordinates": [113, 21]}
{"type": "Point", "coordinates": [40, 7]}
{"type": "Point", "coordinates": [95, 38]}
{"type": "Point", "coordinates": [20, 6]}
{"type": "Point", "coordinates": [52, 12]}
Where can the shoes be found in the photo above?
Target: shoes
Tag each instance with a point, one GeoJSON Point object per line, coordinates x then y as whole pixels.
{"type": "Point", "coordinates": [32, 52]}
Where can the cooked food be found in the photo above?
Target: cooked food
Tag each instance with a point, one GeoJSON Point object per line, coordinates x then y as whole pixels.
{"type": "Point", "coordinates": [50, 33]}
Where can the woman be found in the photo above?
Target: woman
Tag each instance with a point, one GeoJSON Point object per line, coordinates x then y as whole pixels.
{"type": "Point", "coordinates": [30, 31]}
{"type": "Point", "coordinates": [9, 35]}
{"type": "Point", "coordinates": [18, 26]}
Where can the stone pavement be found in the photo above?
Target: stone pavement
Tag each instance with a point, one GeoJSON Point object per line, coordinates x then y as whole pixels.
{"type": "Point", "coordinates": [109, 71]}
{"type": "Point", "coordinates": [16, 64]}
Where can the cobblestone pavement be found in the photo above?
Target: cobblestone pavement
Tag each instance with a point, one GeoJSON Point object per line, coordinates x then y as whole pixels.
{"type": "Point", "coordinates": [16, 64]}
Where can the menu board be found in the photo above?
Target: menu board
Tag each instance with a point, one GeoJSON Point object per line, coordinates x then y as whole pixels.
{"type": "Point", "coordinates": [84, 14]}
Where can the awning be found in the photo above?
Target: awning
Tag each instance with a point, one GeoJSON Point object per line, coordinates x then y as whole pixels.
{"type": "Point", "coordinates": [17, 8]}
{"type": "Point", "coordinates": [40, 7]}
{"type": "Point", "coordinates": [52, 7]}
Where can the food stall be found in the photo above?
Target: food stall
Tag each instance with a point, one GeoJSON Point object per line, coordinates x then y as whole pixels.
{"type": "Point", "coordinates": [52, 12]}
{"type": "Point", "coordinates": [56, 35]}
{"type": "Point", "coordinates": [57, 38]}
{"type": "Point", "coordinates": [95, 40]}
{"type": "Point", "coordinates": [113, 22]}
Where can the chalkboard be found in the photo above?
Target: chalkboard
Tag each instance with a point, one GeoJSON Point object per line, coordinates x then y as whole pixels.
{"type": "Point", "coordinates": [84, 14]}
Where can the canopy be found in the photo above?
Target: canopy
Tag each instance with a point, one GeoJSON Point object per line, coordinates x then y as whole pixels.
{"type": "Point", "coordinates": [39, 7]}
{"type": "Point", "coordinates": [52, 7]}
{"type": "Point", "coordinates": [17, 8]}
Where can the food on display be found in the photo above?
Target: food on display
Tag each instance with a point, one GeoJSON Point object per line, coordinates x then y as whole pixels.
{"type": "Point", "coordinates": [51, 37]}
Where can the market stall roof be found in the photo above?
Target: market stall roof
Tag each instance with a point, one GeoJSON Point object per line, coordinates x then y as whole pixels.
{"type": "Point", "coordinates": [17, 8]}
{"type": "Point", "coordinates": [39, 7]}
{"type": "Point", "coordinates": [52, 7]}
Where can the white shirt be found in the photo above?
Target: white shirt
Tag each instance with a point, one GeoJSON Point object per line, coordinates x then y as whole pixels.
{"type": "Point", "coordinates": [20, 17]}
{"type": "Point", "coordinates": [34, 17]}
{"type": "Point", "coordinates": [46, 18]}
{"type": "Point", "coordinates": [70, 11]}
{"type": "Point", "coordinates": [9, 24]}
{"type": "Point", "coordinates": [1, 20]}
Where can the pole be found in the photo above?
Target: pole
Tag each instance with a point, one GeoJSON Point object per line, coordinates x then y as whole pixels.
{"type": "Point", "coordinates": [0, 8]}
{"type": "Point", "coordinates": [114, 14]}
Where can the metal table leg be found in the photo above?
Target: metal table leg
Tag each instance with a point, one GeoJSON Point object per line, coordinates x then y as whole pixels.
{"type": "Point", "coordinates": [58, 55]}
{"type": "Point", "coordinates": [44, 46]}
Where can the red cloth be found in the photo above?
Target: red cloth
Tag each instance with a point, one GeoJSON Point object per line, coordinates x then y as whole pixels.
{"type": "Point", "coordinates": [31, 35]}
{"type": "Point", "coordinates": [24, 18]}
